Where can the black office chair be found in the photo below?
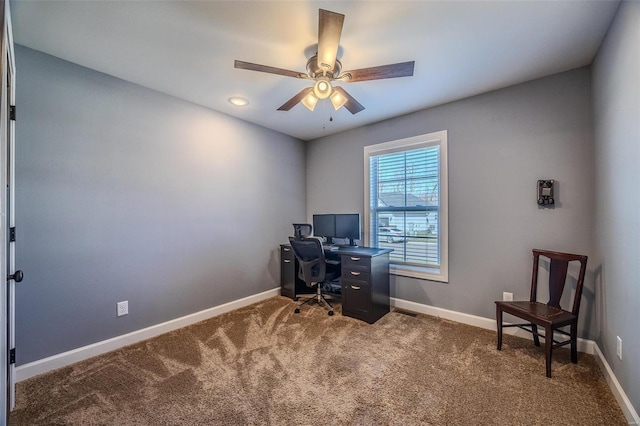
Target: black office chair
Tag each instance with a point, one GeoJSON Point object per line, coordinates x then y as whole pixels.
{"type": "Point", "coordinates": [313, 270]}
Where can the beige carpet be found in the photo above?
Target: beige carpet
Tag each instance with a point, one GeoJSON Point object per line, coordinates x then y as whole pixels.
{"type": "Point", "coordinates": [265, 365]}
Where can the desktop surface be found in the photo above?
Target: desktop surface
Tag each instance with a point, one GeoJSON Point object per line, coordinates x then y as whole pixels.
{"type": "Point", "coordinates": [357, 250]}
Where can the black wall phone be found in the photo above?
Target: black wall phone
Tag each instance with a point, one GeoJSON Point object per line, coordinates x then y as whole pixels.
{"type": "Point", "coordinates": [545, 193]}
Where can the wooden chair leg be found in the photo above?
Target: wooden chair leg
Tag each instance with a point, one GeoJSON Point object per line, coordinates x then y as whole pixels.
{"type": "Point", "coordinates": [548, 346]}
{"type": "Point", "coordinates": [499, 326]}
{"type": "Point", "coordinates": [536, 339]}
{"type": "Point", "coordinates": [574, 342]}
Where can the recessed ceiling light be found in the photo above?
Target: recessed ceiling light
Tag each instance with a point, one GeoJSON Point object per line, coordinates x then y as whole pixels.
{"type": "Point", "coordinates": [237, 101]}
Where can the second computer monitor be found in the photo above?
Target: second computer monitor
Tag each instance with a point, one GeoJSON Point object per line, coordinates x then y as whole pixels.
{"type": "Point", "coordinates": [348, 226]}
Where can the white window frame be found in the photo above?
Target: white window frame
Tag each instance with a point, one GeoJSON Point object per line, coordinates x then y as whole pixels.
{"type": "Point", "coordinates": [430, 139]}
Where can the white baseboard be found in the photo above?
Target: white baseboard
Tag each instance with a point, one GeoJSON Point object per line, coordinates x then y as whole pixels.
{"type": "Point", "coordinates": [627, 408]}
{"type": "Point", "coordinates": [54, 362]}
{"type": "Point", "coordinates": [584, 345]}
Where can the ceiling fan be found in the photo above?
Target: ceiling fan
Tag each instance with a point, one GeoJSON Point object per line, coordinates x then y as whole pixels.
{"type": "Point", "coordinates": [325, 67]}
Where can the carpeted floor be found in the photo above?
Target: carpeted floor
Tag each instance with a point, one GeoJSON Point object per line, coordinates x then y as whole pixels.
{"type": "Point", "coordinates": [265, 365]}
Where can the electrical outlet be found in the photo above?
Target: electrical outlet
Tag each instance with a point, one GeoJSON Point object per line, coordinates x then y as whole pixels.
{"type": "Point", "coordinates": [123, 308]}
{"type": "Point", "coordinates": [619, 347]}
{"type": "Point", "coordinates": [507, 297]}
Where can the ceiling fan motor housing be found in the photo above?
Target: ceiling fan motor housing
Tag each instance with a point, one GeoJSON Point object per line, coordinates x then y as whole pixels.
{"type": "Point", "coordinates": [315, 71]}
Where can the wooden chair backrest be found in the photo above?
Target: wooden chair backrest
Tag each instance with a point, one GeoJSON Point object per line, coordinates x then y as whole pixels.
{"type": "Point", "coordinates": [559, 264]}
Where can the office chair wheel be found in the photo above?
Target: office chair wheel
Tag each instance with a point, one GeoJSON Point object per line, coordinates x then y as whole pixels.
{"type": "Point", "coordinates": [330, 313]}
{"type": "Point", "coordinates": [297, 311]}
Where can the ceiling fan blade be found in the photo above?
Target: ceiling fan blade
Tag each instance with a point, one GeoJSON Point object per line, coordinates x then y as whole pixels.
{"type": "Point", "coordinates": [329, 31]}
{"type": "Point", "coordinates": [295, 100]}
{"type": "Point", "coordinates": [352, 105]}
{"type": "Point", "coordinates": [402, 69]}
{"type": "Point", "coordinates": [264, 68]}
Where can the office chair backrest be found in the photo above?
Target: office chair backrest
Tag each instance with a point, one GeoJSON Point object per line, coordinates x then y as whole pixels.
{"type": "Point", "coordinates": [310, 255]}
{"type": "Point", "coordinates": [302, 230]}
{"type": "Point", "coordinates": [559, 263]}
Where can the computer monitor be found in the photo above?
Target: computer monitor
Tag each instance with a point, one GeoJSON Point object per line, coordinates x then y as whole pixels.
{"type": "Point", "coordinates": [324, 225]}
{"type": "Point", "coordinates": [348, 226]}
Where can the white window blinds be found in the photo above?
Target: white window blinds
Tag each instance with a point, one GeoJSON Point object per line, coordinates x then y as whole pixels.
{"type": "Point", "coordinates": [405, 203]}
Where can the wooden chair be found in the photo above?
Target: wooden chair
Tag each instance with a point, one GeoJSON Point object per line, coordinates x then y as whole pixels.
{"type": "Point", "coordinates": [551, 316]}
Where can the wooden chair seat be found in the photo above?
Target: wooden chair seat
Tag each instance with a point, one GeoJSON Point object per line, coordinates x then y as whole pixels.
{"type": "Point", "coordinates": [549, 315]}
{"type": "Point", "coordinates": [538, 313]}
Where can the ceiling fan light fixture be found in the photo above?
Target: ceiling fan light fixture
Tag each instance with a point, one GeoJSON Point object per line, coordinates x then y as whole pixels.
{"type": "Point", "coordinates": [337, 100]}
{"type": "Point", "coordinates": [310, 101]}
{"type": "Point", "coordinates": [322, 89]}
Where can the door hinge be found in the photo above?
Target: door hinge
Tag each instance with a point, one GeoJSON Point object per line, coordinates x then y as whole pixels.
{"type": "Point", "coordinates": [12, 112]}
{"type": "Point", "coordinates": [12, 234]}
{"type": "Point", "coordinates": [12, 356]}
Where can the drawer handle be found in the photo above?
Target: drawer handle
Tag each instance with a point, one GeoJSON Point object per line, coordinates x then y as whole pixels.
{"type": "Point", "coordinates": [286, 249]}
{"type": "Point", "coordinates": [355, 273]}
{"type": "Point", "coordinates": [287, 261]}
{"type": "Point", "coordinates": [355, 287]}
{"type": "Point", "coordinates": [355, 258]}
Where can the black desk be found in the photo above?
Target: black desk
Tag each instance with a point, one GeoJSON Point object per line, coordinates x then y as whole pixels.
{"type": "Point", "coordinates": [364, 280]}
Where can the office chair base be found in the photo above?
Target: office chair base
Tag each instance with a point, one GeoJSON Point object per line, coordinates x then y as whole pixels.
{"type": "Point", "coordinates": [319, 297]}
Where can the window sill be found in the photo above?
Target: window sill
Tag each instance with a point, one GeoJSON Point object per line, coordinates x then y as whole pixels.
{"type": "Point", "coordinates": [419, 272]}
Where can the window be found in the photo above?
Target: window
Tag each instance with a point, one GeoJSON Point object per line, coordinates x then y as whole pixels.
{"type": "Point", "coordinates": [406, 204]}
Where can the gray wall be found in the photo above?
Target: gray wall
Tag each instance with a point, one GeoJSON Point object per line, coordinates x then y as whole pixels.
{"type": "Point", "coordinates": [127, 194]}
{"type": "Point", "coordinates": [616, 106]}
{"type": "Point", "coordinates": [500, 144]}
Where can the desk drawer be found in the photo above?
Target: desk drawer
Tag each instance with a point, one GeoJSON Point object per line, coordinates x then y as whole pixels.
{"type": "Point", "coordinates": [365, 286]}
{"type": "Point", "coordinates": [356, 299]}
{"type": "Point", "coordinates": [288, 280]}
{"type": "Point", "coordinates": [286, 254]}
{"type": "Point", "coordinates": [356, 263]}
{"type": "Point", "coordinates": [287, 261]}
{"type": "Point", "coordinates": [357, 276]}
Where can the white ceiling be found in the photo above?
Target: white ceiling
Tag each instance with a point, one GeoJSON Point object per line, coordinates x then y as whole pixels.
{"type": "Point", "coordinates": [186, 49]}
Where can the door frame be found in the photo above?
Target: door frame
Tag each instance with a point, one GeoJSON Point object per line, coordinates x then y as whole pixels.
{"type": "Point", "coordinates": [7, 263]}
